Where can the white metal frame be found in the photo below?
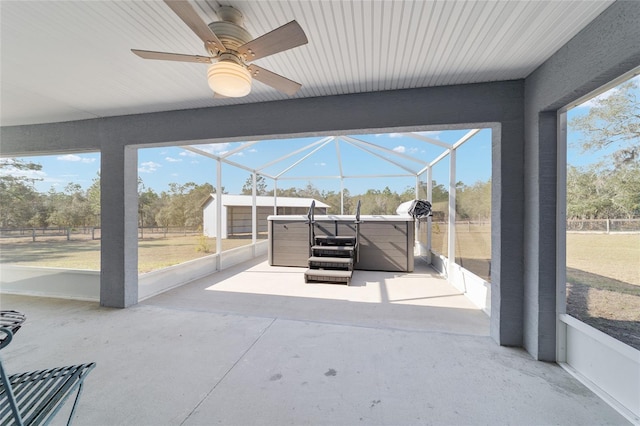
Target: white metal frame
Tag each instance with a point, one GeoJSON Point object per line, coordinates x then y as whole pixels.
{"type": "Point", "coordinates": [369, 148]}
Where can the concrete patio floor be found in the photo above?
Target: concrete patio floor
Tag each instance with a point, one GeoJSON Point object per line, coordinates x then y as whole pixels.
{"type": "Point", "coordinates": [255, 345]}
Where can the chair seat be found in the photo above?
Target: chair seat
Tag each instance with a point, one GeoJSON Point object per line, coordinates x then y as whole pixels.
{"type": "Point", "coordinates": [40, 394]}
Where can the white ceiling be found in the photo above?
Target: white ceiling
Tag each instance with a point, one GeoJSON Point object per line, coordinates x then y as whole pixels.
{"type": "Point", "coordinates": [71, 60]}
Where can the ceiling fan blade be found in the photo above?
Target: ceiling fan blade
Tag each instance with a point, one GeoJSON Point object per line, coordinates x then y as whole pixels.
{"type": "Point", "coordinates": [190, 17]}
{"type": "Point", "coordinates": [163, 56]}
{"type": "Point", "coordinates": [282, 38]}
{"type": "Point", "coordinates": [274, 80]}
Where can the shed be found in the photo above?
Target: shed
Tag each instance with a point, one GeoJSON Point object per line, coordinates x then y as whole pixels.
{"type": "Point", "coordinates": [236, 212]}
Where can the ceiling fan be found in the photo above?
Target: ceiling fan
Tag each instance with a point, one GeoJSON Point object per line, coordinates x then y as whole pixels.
{"type": "Point", "coordinates": [231, 48]}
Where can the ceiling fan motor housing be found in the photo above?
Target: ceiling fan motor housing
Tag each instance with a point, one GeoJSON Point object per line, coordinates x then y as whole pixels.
{"type": "Point", "coordinates": [230, 30]}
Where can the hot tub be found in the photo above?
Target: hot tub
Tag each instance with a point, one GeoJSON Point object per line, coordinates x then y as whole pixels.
{"type": "Point", "coordinates": [385, 242]}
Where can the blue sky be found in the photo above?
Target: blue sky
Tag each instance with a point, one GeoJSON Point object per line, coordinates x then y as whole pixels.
{"type": "Point", "coordinates": [160, 166]}
{"type": "Point", "coordinates": [575, 155]}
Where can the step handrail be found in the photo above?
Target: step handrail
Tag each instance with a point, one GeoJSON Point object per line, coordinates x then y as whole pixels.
{"type": "Point", "coordinates": [311, 221]}
{"type": "Point", "coordinates": [356, 248]}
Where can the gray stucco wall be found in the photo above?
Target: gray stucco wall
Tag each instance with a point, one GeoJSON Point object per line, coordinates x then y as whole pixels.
{"type": "Point", "coordinates": [603, 51]}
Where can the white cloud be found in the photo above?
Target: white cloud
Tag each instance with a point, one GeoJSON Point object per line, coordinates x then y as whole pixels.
{"type": "Point", "coordinates": [389, 135]}
{"type": "Point", "coordinates": [400, 148]}
{"type": "Point", "coordinates": [69, 157]}
{"type": "Point", "coordinates": [432, 133]}
{"type": "Point", "coordinates": [322, 164]}
{"type": "Point", "coordinates": [173, 160]}
{"type": "Point", "coordinates": [148, 167]}
{"type": "Point", "coordinates": [29, 174]}
{"type": "Point", "coordinates": [252, 150]}
{"type": "Point", "coordinates": [211, 148]}
{"type": "Point", "coordinates": [218, 147]}
{"type": "Point", "coordinates": [76, 158]}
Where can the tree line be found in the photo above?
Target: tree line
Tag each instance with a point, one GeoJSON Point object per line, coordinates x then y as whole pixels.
{"type": "Point", "coordinates": [22, 206]}
{"type": "Point", "coordinates": [593, 192]}
{"type": "Point", "coordinates": [182, 204]}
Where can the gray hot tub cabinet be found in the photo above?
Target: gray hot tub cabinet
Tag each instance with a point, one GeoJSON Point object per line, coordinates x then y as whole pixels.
{"type": "Point", "coordinates": [386, 242]}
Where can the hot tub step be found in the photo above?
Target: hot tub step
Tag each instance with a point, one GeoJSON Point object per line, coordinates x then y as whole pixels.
{"type": "Point", "coordinates": [332, 251]}
{"type": "Point", "coordinates": [327, 276]}
{"type": "Point", "coordinates": [335, 240]}
{"type": "Point", "coordinates": [324, 262]}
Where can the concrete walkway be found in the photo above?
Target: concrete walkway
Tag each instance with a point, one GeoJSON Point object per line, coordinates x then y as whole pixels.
{"type": "Point", "coordinates": [255, 345]}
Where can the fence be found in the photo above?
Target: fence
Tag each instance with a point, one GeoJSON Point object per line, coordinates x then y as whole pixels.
{"type": "Point", "coordinates": [88, 233]}
{"type": "Point", "coordinates": [94, 233]}
{"type": "Point", "coordinates": [603, 225]}
{"type": "Point", "coordinates": [573, 225]}
{"type": "Point", "coordinates": [52, 233]}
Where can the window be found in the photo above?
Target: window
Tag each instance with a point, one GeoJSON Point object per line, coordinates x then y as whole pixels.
{"type": "Point", "coordinates": [603, 212]}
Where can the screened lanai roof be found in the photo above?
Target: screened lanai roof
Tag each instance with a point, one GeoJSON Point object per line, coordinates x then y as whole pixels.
{"type": "Point", "coordinates": [341, 157]}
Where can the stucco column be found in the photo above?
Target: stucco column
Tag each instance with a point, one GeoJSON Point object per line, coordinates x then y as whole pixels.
{"type": "Point", "coordinates": [119, 223]}
{"type": "Point", "coordinates": [540, 248]}
{"type": "Point", "coordinates": [507, 234]}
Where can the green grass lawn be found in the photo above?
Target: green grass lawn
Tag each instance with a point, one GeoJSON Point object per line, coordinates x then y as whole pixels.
{"type": "Point", "coordinates": [153, 253]}
{"type": "Point", "coordinates": [612, 257]}
{"type": "Point", "coordinates": [615, 256]}
{"type": "Point", "coordinates": [589, 256]}
{"type": "Point", "coordinates": [603, 283]}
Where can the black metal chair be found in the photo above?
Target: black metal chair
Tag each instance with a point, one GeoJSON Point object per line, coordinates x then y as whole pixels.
{"type": "Point", "coordinates": [34, 398]}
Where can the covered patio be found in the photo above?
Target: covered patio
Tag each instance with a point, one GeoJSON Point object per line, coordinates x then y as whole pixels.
{"type": "Point", "coordinates": [236, 350]}
{"type": "Point", "coordinates": [249, 357]}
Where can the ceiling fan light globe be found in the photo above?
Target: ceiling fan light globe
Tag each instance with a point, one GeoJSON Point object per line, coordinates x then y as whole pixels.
{"type": "Point", "coordinates": [229, 79]}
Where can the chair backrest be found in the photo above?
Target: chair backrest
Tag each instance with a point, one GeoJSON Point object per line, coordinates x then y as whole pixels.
{"type": "Point", "coordinates": [11, 320]}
